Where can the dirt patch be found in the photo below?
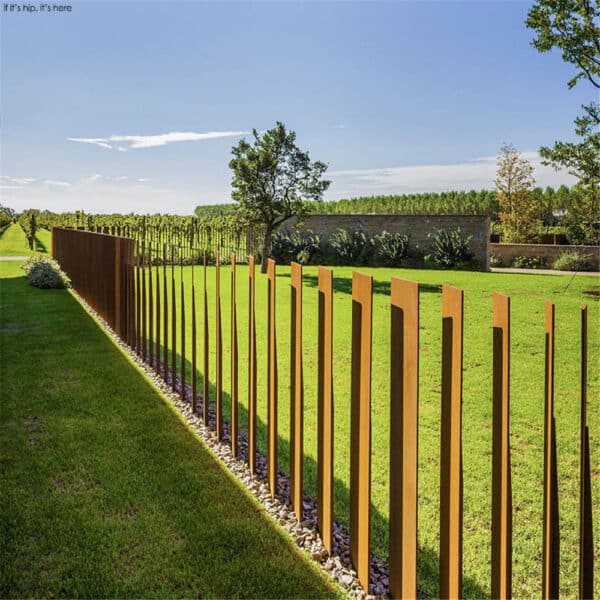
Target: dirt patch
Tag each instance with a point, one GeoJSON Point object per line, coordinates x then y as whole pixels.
{"type": "Point", "coordinates": [74, 484]}
{"type": "Point", "coordinates": [593, 293]}
{"type": "Point", "coordinates": [124, 514]}
{"type": "Point", "coordinates": [34, 429]}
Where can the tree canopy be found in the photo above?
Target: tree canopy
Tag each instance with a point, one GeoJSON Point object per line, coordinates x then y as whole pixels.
{"type": "Point", "coordinates": [273, 180]}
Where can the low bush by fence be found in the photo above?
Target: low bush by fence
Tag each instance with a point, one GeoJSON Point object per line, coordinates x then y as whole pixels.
{"type": "Point", "coordinates": [505, 254]}
{"type": "Point", "coordinates": [151, 302]}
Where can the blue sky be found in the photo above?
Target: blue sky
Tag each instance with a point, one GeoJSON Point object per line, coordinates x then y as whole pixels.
{"type": "Point", "coordinates": [395, 96]}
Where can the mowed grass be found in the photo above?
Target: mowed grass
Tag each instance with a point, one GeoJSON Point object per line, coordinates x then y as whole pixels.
{"type": "Point", "coordinates": [104, 491]}
{"type": "Point", "coordinates": [14, 243]}
{"type": "Point", "coordinates": [528, 295]}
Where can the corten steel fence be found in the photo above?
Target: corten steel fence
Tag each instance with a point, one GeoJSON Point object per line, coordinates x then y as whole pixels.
{"type": "Point", "coordinates": [101, 270]}
{"type": "Point", "coordinates": [114, 277]}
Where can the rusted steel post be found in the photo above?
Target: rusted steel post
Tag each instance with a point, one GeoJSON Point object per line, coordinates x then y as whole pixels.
{"type": "Point", "coordinates": [165, 316]}
{"type": "Point", "coordinates": [206, 357]}
{"type": "Point", "coordinates": [219, 351]}
{"type": "Point", "coordinates": [586, 537]}
{"type": "Point", "coordinates": [251, 366]}
{"type": "Point", "coordinates": [150, 310]}
{"type": "Point", "coordinates": [158, 312]}
{"type": "Point", "coordinates": [271, 383]}
{"type": "Point", "coordinates": [144, 306]}
{"type": "Point", "coordinates": [173, 324]}
{"type": "Point", "coordinates": [138, 318]}
{"type": "Point", "coordinates": [194, 344]}
{"type": "Point", "coordinates": [404, 396]}
{"type": "Point", "coordinates": [296, 392]}
{"type": "Point", "coordinates": [501, 583]}
{"type": "Point", "coordinates": [182, 394]}
{"type": "Point", "coordinates": [451, 475]}
{"type": "Point", "coordinates": [325, 410]}
{"type": "Point", "coordinates": [234, 363]}
{"type": "Point", "coordinates": [117, 284]}
{"type": "Point", "coordinates": [551, 538]}
{"type": "Point", "coordinates": [360, 425]}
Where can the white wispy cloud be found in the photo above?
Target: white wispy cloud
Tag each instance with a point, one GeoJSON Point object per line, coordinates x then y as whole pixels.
{"type": "Point", "coordinates": [478, 173]}
{"type": "Point", "coordinates": [11, 187]}
{"type": "Point", "coordinates": [18, 180]}
{"type": "Point", "coordinates": [152, 141]}
{"type": "Point", "coordinates": [57, 183]}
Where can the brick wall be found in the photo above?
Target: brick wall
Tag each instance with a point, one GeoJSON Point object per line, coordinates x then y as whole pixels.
{"type": "Point", "coordinates": [508, 252]}
{"type": "Point", "coordinates": [417, 227]}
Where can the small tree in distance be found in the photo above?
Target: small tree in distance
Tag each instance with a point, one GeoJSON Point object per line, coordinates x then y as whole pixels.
{"type": "Point", "coordinates": [515, 183]}
{"type": "Point", "coordinates": [273, 180]}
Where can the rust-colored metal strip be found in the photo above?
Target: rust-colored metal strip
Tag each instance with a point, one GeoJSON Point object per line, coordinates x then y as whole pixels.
{"type": "Point", "coordinates": [206, 356]}
{"type": "Point", "coordinates": [144, 306]}
{"type": "Point", "coordinates": [451, 472]}
{"type": "Point", "coordinates": [551, 537]}
{"type": "Point", "coordinates": [501, 582]}
{"type": "Point", "coordinates": [219, 351]}
{"type": "Point", "coordinates": [271, 383]}
{"type": "Point", "coordinates": [165, 316]}
{"type": "Point", "coordinates": [194, 345]}
{"type": "Point", "coordinates": [117, 286]}
{"type": "Point", "coordinates": [183, 366]}
{"type": "Point", "coordinates": [234, 363]}
{"type": "Point", "coordinates": [404, 395]}
{"type": "Point", "coordinates": [360, 425]}
{"type": "Point", "coordinates": [138, 302]}
{"type": "Point", "coordinates": [586, 537]}
{"type": "Point", "coordinates": [296, 391]}
{"type": "Point", "coordinates": [150, 309]}
{"type": "Point", "coordinates": [173, 324]}
{"type": "Point", "coordinates": [251, 366]}
{"type": "Point", "coordinates": [325, 410]}
{"type": "Point", "coordinates": [158, 313]}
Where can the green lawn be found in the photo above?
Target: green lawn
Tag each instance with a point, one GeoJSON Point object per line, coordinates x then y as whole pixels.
{"type": "Point", "coordinates": [528, 293]}
{"type": "Point", "coordinates": [104, 491]}
{"type": "Point", "coordinates": [14, 243]}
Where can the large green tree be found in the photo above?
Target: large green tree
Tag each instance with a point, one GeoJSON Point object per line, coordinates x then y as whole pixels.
{"type": "Point", "coordinates": [273, 180]}
{"type": "Point", "coordinates": [573, 28]}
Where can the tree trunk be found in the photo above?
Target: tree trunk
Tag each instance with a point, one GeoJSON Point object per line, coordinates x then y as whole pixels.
{"type": "Point", "coordinates": [266, 248]}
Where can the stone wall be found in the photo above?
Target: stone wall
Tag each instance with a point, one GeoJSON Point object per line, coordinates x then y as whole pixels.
{"type": "Point", "coordinates": [508, 252]}
{"type": "Point", "coordinates": [417, 227]}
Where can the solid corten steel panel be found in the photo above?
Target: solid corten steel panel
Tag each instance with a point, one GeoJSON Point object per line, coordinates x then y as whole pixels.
{"type": "Point", "coordinates": [117, 280]}
{"type": "Point", "coordinates": [501, 582]}
{"type": "Point", "coordinates": [325, 410]}
{"type": "Point", "coordinates": [271, 383]}
{"type": "Point", "coordinates": [165, 316]}
{"type": "Point", "coordinates": [144, 306]}
{"type": "Point", "coordinates": [586, 537]}
{"type": "Point", "coordinates": [173, 324]}
{"type": "Point", "coordinates": [206, 357]}
{"type": "Point", "coordinates": [138, 303]}
{"type": "Point", "coordinates": [234, 363]}
{"type": "Point", "coordinates": [451, 471]}
{"type": "Point", "coordinates": [219, 351]}
{"type": "Point", "coordinates": [182, 393]}
{"type": "Point", "coordinates": [158, 314]}
{"type": "Point", "coordinates": [360, 425]}
{"type": "Point", "coordinates": [551, 534]}
{"type": "Point", "coordinates": [404, 394]}
{"type": "Point", "coordinates": [150, 310]}
{"type": "Point", "coordinates": [194, 346]}
{"type": "Point", "coordinates": [296, 391]}
{"type": "Point", "coordinates": [251, 366]}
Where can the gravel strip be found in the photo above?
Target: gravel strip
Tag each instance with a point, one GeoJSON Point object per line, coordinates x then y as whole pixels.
{"type": "Point", "coordinates": [337, 565]}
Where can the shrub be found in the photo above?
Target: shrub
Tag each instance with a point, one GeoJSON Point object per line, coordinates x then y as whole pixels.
{"type": "Point", "coordinates": [495, 261]}
{"type": "Point", "coordinates": [450, 249]}
{"type": "Point", "coordinates": [350, 247]}
{"type": "Point", "coordinates": [528, 262]}
{"type": "Point", "coordinates": [390, 248]}
{"type": "Point", "coordinates": [299, 246]}
{"type": "Point", "coordinates": [571, 260]}
{"type": "Point", "coordinates": [44, 272]}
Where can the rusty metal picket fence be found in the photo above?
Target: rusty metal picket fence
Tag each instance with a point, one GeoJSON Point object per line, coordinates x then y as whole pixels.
{"type": "Point", "coordinates": [112, 275]}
